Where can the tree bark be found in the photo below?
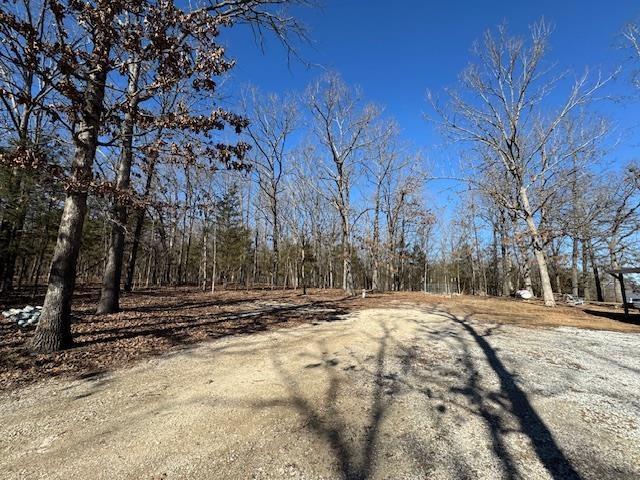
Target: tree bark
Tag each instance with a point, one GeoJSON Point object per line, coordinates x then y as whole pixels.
{"type": "Point", "coordinates": [575, 286]}
{"type": "Point", "coordinates": [110, 296]}
{"type": "Point", "coordinates": [483, 270]}
{"type": "Point", "coordinates": [347, 278]}
{"type": "Point", "coordinates": [54, 328]}
{"type": "Point", "coordinates": [276, 245]}
{"type": "Point", "coordinates": [303, 262]}
{"type": "Point", "coordinates": [214, 260]}
{"type": "Point", "coordinates": [586, 282]}
{"type": "Point", "coordinates": [507, 284]}
{"type": "Point", "coordinates": [596, 274]}
{"type": "Point", "coordinates": [205, 242]}
{"type": "Point", "coordinates": [375, 248]}
{"type": "Point", "coordinates": [538, 250]}
{"type": "Point", "coordinates": [137, 233]}
{"type": "Point", "coordinates": [615, 265]}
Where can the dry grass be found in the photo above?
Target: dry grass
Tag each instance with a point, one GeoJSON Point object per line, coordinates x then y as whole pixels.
{"type": "Point", "coordinates": [156, 321]}
{"type": "Point", "coordinates": [518, 312]}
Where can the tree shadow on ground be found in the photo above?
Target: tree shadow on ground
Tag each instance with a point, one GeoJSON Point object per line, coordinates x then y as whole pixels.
{"type": "Point", "coordinates": [634, 317]}
{"type": "Point", "coordinates": [180, 328]}
{"type": "Point", "coordinates": [512, 399]}
{"type": "Point", "coordinates": [327, 422]}
{"type": "Point", "coordinates": [105, 342]}
{"type": "Point", "coordinates": [188, 304]}
{"type": "Point", "coordinates": [504, 411]}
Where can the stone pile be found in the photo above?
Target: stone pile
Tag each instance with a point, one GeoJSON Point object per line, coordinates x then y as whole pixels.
{"type": "Point", "coordinates": [24, 317]}
{"type": "Point", "coordinates": [524, 294]}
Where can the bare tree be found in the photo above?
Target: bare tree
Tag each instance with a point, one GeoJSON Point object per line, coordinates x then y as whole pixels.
{"type": "Point", "coordinates": [631, 34]}
{"type": "Point", "coordinates": [502, 112]}
{"type": "Point", "coordinates": [273, 122]}
{"type": "Point", "coordinates": [302, 201]}
{"type": "Point", "coordinates": [384, 163]}
{"type": "Point", "coordinates": [400, 205]}
{"type": "Point", "coordinates": [621, 221]}
{"type": "Point", "coordinates": [341, 126]}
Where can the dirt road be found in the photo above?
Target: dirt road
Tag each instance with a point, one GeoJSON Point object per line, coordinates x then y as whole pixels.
{"type": "Point", "coordinates": [397, 393]}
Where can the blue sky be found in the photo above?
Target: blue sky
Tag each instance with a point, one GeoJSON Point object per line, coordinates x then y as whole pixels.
{"type": "Point", "coordinates": [396, 51]}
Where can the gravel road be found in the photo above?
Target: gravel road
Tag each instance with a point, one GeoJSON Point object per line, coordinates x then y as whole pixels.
{"type": "Point", "coordinates": [396, 393]}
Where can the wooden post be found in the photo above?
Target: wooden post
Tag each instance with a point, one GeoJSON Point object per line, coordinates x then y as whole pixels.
{"type": "Point", "coordinates": [624, 298]}
{"type": "Point", "coordinates": [620, 278]}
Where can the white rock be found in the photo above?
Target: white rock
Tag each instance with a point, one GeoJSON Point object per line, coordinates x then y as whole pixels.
{"type": "Point", "coordinates": [524, 294]}
{"type": "Point", "coordinates": [26, 316]}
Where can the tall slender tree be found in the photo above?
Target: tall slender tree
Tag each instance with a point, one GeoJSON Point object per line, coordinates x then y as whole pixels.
{"type": "Point", "coordinates": [502, 111]}
{"type": "Point", "coordinates": [273, 121]}
{"type": "Point", "coordinates": [342, 126]}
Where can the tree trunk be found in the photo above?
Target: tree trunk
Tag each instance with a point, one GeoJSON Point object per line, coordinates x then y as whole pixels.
{"type": "Point", "coordinates": [483, 269]}
{"type": "Point", "coordinates": [526, 275]}
{"type": "Point", "coordinates": [276, 250]}
{"type": "Point", "coordinates": [545, 282]}
{"type": "Point", "coordinates": [110, 296]}
{"type": "Point", "coordinates": [303, 260]}
{"type": "Point", "coordinates": [205, 241]}
{"type": "Point", "coordinates": [133, 254]}
{"type": "Point", "coordinates": [615, 265]}
{"type": "Point", "coordinates": [331, 279]}
{"type": "Point", "coordinates": [35, 276]}
{"type": "Point", "coordinates": [375, 248]}
{"type": "Point", "coordinates": [347, 278]}
{"type": "Point", "coordinates": [586, 283]}
{"type": "Point", "coordinates": [187, 251]}
{"type": "Point", "coordinates": [400, 281]}
{"type": "Point", "coordinates": [538, 250]}
{"type": "Point", "coordinates": [524, 265]}
{"type": "Point", "coordinates": [596, 274]}
{"type": "Point", "coordinates": [137, 233]}
{"type": "Point", "coordinates": [54, 328]}
{"type": "Point", "coordinates": [215, 257]}
{"type": "Point", "coordinates": [507, 284]}
{"type": "Point", "coordinates": [425, 270]}
{"type": "Point", "coordinates": [182, 244]}
{"type": "Point", "coordinates": [575, 286]}
{"type": "Point", "coordinates": [555, 264]}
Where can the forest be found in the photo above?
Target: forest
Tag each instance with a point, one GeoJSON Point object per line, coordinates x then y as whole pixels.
{"type": "Point", "coordinates": [125, 165]}
{"type": "Point", "coordinates": [319, 239]}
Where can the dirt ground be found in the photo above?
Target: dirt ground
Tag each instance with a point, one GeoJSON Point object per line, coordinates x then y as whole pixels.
{"type": "Point", "coordinates": [383, 389]}
{"type": "Point", "coordinates": [160, 320]}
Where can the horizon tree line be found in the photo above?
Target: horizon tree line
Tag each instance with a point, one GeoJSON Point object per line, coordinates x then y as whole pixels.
{"type": "Point", "coordinates": [114, 139]}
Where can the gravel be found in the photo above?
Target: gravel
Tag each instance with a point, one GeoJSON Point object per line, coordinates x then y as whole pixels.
{"type": "Point", "coordinates": [394, 393]}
